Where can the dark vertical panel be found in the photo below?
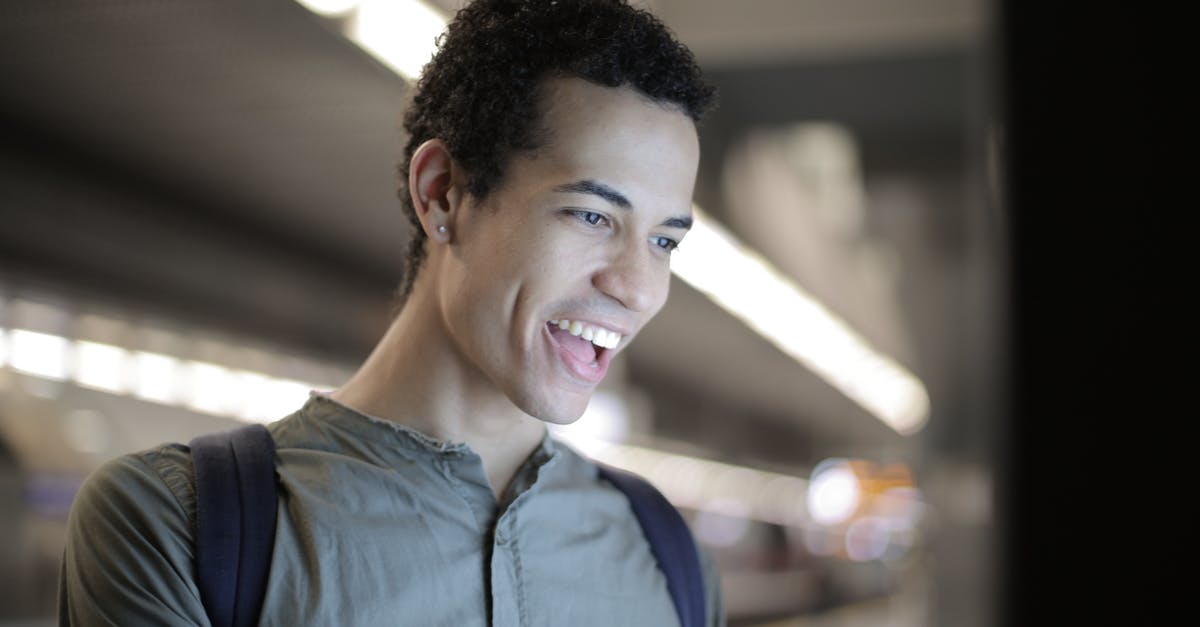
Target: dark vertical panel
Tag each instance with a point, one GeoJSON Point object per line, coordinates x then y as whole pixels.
{"type": "Point", "coordinates": [1080, 170]}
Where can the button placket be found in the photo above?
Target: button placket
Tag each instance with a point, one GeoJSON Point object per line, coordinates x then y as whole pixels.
{"type": "Point", "coordinates": [504, 528]}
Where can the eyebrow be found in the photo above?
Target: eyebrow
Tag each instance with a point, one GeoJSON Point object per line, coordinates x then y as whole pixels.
{"type": "Point", "coordinates": [588, 186]}
{"type": "Point", "coordinates": [596, 188]}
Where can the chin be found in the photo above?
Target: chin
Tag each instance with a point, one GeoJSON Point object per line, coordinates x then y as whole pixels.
{"type": "Point", "coordinates": [560, 409]}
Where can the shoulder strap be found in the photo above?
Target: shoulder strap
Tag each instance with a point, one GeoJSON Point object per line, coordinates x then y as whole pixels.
{"type": "Point", "coordinates": [235, 520]}
{"type": "Point", "coordinates": [670, 541]}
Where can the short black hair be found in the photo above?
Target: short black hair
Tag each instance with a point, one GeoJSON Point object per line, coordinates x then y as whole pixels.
{"type": "Point", "coordinates": [480, 92]}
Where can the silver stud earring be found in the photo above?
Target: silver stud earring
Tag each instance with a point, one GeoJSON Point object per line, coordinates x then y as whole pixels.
{"type": "Point", "coordinates": [442, 229]}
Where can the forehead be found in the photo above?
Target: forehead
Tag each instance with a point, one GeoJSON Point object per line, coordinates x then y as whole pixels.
{"type": "Point", "coordinates": [647, 151]}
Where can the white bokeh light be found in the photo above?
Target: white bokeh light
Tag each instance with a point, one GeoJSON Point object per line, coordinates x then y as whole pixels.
{"type": "Point", "coordinates": [867, 538]}
{"type": "Point", "coordinates": [833, 492]}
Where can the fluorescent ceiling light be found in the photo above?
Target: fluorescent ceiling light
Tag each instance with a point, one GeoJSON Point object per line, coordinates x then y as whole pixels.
{"type": "Point", "coordinates": [747, 286]}
{"type": "Point", "coordinates": [39, 354]}
{"type": "Point", "coordinates": [270, 398]}
{"type": "Point", "coordinates": [198, 386]}
{"type": "Point", "coordinates": [101, 366]}
{"type": "Point", "coordinates": [156, 377]}
{"type": "Point", "coordinates": [208, 387]}
{"type": "Point", "coordinates": [329, 8]}
{"type": "Point", "coordinates": [400, 33]}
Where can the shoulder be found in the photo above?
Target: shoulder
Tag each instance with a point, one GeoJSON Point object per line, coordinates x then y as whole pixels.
{"type": "Point", "coordinates": [129, 553]}
{"type": "Point", "coordinates": [159, 479]}
{"type": "Point", "coordinates": [136, 497]}
{"type": "Point", "coordinates": [572, 464]}
{"type": "Point", "coordinates": [631, 486]}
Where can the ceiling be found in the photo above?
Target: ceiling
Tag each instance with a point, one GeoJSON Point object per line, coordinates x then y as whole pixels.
{"type": "Point", "coordinates": [233, 164]}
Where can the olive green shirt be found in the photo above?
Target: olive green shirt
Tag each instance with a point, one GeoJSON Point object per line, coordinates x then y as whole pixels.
{"type": "Point", "coordinates": [377, 525]}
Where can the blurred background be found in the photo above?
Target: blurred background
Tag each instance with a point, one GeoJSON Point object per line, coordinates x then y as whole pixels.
{"type": "Point", "coordinates": [199, 225]}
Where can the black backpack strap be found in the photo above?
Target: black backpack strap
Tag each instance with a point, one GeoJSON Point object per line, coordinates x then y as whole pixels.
{"type": "Point", "coordinates": [235, 520]}
{"type": "Point", "coordinates": [670, 541]}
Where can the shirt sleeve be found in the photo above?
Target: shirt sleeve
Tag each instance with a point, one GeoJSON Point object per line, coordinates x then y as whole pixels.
{"type": "Point", "coordinates": [712, 588]}
{"type": "Point", "coordinates": [128, 559]}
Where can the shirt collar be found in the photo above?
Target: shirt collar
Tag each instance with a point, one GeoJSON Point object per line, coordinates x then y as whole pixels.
{"type": "Point", "coordinates": [321, 408]}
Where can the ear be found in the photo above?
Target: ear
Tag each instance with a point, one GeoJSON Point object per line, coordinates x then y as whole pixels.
{"type": "Point", "coordinates": [432, 176]}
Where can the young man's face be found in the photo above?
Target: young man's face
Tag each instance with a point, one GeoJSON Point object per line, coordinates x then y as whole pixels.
{"type": "Point", "coordinates": [579, 231]}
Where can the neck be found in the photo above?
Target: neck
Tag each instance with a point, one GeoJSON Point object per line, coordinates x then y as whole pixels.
{"type": "Point", "coordinates": [418, 378]}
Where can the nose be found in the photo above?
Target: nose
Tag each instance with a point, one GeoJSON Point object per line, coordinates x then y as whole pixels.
{"type": "Point", "coordinates": [634, 279]}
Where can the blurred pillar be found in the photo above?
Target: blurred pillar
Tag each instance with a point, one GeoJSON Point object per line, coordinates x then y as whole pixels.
{"type": "Point", "coordinates": [1082, 193]}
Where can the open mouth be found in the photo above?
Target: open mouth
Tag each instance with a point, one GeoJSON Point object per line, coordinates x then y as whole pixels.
{"type": "Point", "coordinates": [586, 348]}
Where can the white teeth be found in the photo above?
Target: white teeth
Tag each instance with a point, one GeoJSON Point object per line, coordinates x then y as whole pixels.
{"type": "Point", "coordinates": [596, 335]}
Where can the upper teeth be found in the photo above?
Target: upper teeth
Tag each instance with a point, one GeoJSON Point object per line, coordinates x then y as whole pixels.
{"type": "Point", "coordinates": [596, 335]}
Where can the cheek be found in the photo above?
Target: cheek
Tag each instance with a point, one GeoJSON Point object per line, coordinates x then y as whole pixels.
{"type": "Point", "coordinates": [493, 310]}
{"type": "Point", "coordinates": [662, 291]}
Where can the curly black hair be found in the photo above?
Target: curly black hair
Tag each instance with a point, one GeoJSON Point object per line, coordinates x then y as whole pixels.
{"type": "Point", "coordinates": [480, 92]}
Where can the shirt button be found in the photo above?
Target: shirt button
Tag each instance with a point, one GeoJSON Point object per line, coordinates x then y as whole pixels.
{"type": "Point", "coordinates": [501, 539]}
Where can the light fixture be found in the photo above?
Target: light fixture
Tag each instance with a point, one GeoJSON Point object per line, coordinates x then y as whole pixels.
{"type": "Point", "coordinates": [743, 283]}
{"type": "Point", "coordinates": [39, 354]}
{"type": "Point", "coordinates": [330, 8]}
{"type": "Point", "coordinates": [209, 388]}
{"type": "Point", "coordinates": [271, 398]}
{"type": "Point", "coordinates": [156, 377]}
{"type": "Point", "coordinates": [101, 366]}
{"type": "Point", "coordinates": [400, 33]}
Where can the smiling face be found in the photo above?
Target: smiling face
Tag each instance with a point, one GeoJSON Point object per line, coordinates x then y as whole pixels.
{"type": "Point", "coordinates": [576, 240]}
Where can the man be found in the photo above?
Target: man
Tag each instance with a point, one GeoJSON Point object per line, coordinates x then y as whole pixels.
{"type": "Point", "coordinates": [548, 177]}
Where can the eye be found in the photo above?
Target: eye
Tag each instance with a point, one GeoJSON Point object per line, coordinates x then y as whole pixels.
{"type": "Point", "coordinates": [591, 217]}
{"type": "Point", "coordinates": [665, 243]}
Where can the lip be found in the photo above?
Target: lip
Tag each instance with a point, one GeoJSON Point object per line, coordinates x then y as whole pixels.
{"type": "Point", "coordinates": [584, 372]}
